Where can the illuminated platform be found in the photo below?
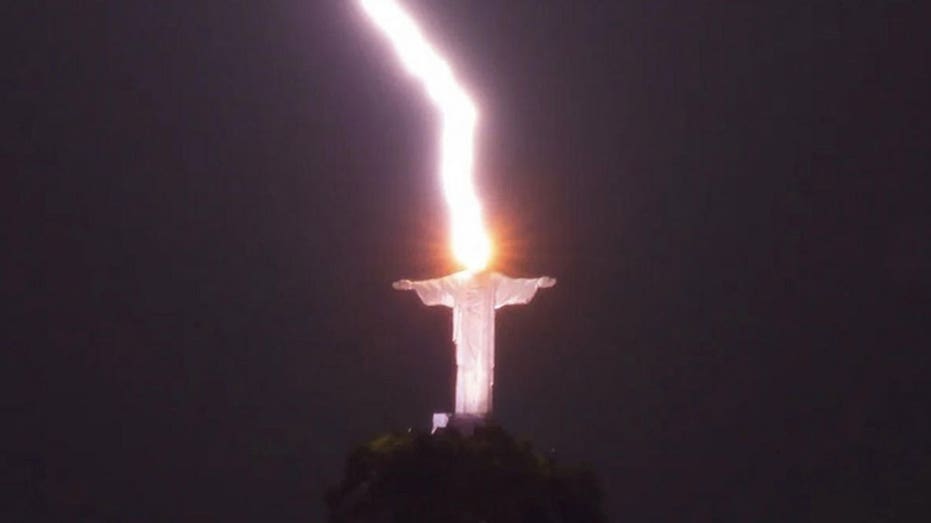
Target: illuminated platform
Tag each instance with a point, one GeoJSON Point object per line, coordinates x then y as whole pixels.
{"type": "Point", "coordinates": [463, 423]}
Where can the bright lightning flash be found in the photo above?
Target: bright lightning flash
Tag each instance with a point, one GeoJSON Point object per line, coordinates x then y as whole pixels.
{"type": "Point", "coordinates": [471, 244]}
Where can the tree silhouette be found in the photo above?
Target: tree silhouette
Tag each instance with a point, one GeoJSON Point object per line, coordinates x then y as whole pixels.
{"type": "Point", "coordinates": [447, 477]}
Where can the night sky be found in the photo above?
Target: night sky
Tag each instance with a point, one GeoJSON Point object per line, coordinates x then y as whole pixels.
{"type": "Point", "coordinates": [206, 203]}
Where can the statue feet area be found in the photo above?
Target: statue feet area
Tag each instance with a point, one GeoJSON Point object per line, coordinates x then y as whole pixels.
{"type": "Point", "coordinates": [464, 423]}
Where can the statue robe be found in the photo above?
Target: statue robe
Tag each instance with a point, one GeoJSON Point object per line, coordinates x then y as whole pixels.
{"type": "Point", "coordinates": [474, 298]}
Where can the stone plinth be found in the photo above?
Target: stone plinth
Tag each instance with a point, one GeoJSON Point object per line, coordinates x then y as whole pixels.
{"type": "Point", "coordinates": [464, 423]}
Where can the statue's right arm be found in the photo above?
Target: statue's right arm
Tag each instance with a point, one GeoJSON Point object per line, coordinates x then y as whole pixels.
{"type": "Point", "coordinates": [403, 285]}
{"type": "Point", "coordinates": [430, 292]}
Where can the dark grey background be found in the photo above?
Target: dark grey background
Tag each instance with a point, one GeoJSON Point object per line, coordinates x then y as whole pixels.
{"type": "Point", "coordinates": [209, 201]}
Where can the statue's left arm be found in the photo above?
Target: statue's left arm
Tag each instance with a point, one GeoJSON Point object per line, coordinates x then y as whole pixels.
{"type": "Point", "coordinates": [518, 291]}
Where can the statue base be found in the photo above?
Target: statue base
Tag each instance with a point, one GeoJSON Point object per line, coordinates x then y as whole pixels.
{"type": "Point", "coordinates": [463, 423]}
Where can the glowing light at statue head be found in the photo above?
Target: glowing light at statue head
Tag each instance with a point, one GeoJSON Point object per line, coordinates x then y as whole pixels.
{"type": "Point", "coordinates": [470, 242]}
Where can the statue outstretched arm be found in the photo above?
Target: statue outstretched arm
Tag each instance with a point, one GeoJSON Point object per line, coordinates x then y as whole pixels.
{"type": "Point", "coordinates": [518, 291]}
{"type": "Point", "coordinates": [431, 292]}
{"type": "Point", "coordinates": [403, 285]}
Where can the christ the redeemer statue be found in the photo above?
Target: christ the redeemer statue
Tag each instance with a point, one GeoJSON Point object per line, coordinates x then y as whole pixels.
{"type": "Point", "coordinates": [474, 296]}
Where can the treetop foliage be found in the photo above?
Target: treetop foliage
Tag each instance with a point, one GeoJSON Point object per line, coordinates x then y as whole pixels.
{"type": "Point", "coordinates": [447, 477]}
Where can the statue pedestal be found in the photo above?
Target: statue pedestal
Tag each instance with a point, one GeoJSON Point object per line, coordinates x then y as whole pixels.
{"type": "Point", "coordinates": [464, 423]}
